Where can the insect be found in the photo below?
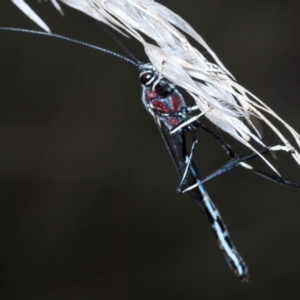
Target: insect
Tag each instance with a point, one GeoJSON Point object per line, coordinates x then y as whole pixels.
{"type": "Point", "coordinates": [169, 110]}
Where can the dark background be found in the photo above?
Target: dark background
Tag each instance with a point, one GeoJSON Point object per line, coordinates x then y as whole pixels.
{"type": "Point", "coordinates": [88, 205]}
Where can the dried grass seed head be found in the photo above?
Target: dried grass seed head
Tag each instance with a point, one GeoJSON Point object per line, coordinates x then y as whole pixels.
{"type": "Point", "coordinates": [231, 104]}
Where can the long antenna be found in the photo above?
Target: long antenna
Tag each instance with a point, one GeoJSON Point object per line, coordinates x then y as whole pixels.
{"type": "Point", "coordinates": [117, 40]}
{"type": "Point", "coordinates": [64, 38]}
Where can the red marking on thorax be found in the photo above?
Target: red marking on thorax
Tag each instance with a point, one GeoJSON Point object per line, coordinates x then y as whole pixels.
{"type": "Point", "coordinates": [150, 95]}
{"type": "Point", "coordinates": [172, 121]}
{"type": "Point", "coordinates": [175, 102]}
{"type": "Point", "coordinates": [160, 106]}
{"type": "Point", "coordinates": [167, 105]}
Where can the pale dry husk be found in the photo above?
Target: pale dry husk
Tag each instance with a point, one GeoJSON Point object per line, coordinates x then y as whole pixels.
{"type": "Point", "coordinates": [230, 104]}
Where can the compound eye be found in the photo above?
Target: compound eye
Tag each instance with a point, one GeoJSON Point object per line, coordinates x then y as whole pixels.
{"type": "Point", "coordinates": [145, 78]}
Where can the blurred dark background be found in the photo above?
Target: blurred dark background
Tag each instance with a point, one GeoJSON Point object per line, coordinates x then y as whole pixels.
{"type": "Point", "coordinates": [89, 208]}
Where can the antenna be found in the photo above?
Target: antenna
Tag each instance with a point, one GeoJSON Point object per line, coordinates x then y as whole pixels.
{"type": "Point", "coordinates": [64, 38]}
{"type": "Point", "coordinates": [117, 40]}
